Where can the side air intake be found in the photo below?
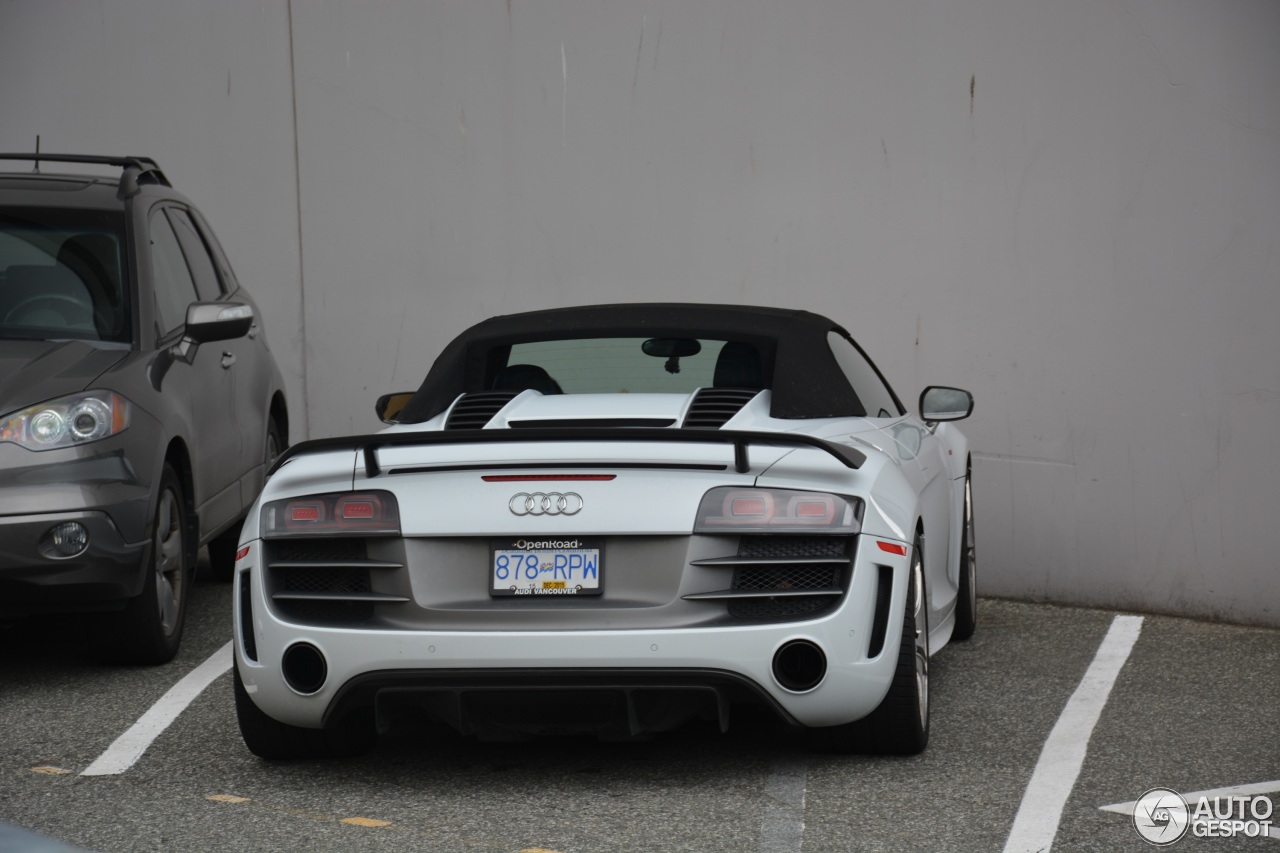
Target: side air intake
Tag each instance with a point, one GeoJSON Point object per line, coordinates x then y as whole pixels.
{"type": "Point", "coordinates": [474, 411]}
{"type": "Point", "coordinates": [712, 407]}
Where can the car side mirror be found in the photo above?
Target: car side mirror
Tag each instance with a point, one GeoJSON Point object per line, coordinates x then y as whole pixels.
{"type": "Point", "coordinates": [389, 406]}
{"type": "Point", "coordinates": [217, 321]}
{"type": "Point", "coordinates": [940, 403]}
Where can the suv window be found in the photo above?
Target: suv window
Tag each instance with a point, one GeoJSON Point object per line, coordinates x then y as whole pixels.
{"type": "Point", "coordinates": [174, 288]}
{"type": "Point", "coordinates": [877, 399]}
{"type": "Point", "coordinates": [206, 277]}
{"type": "Point", "coordinates": [229, 282]}
{"type": "Point", "coordinates": [62, 275]}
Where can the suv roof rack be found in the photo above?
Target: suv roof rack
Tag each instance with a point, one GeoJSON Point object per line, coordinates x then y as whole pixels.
{"type": "Point", "coordinates": [137, 170]}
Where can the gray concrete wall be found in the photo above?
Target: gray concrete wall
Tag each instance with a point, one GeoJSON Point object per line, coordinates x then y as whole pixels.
{"type": "Point", "coordinates": [1072, 209]}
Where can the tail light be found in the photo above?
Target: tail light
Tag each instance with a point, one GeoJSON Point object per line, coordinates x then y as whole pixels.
{"type": "Point", "coordinates": [344, 513]}
{"type": "Point", "coordinates": [730, 509]}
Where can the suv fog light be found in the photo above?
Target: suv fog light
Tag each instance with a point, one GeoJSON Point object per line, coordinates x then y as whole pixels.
{"type": "Point", "coordinates": [70, 539]}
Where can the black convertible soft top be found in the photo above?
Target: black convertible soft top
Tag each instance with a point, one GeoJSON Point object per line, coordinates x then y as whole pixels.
{"type": "Point", "coordinates": [797, 361]}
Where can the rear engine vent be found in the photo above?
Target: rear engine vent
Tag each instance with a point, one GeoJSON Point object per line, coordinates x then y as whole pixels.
{"type": "Point", "coordinates": [473, 411]}
{"type": "Point", "coordinates": [713, 407]}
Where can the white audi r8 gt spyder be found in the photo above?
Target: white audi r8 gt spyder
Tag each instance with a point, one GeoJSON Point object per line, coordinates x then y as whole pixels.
{"type": "Point", "coordinates": [614, 520]}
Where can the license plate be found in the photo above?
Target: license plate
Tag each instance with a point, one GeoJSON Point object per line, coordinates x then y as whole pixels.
{"type": "Point", "coordinates": [545, 567]}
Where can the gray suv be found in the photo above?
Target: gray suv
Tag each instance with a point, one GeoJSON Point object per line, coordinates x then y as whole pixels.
{"type": "Point", "coordinates": [140, 405]}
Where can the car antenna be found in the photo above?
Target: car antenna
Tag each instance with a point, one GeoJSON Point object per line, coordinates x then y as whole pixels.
{"type": "Point", "coordinates": [37, 169]}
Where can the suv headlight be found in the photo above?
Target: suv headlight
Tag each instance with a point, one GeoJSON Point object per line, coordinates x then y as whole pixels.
{"type": "Point", "coordinates": [67, 421]}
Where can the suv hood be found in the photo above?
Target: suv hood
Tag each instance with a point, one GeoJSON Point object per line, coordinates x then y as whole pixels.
{"type": "Point", "coordinates": [34, 371]}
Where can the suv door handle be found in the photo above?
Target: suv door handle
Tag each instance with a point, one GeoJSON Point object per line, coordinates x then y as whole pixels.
{"type": "Point", "coordinates": [228, 359]}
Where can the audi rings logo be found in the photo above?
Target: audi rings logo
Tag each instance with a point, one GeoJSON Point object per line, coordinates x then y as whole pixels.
{"type": "Point", "coordinates": [545, 503]}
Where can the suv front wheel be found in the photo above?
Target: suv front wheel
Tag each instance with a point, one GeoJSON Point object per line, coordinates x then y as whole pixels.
{"type": "Point", "coordinates": [149, 629]}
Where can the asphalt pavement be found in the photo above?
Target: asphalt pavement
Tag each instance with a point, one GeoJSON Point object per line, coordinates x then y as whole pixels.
{"type": "Point", "coordinates": [1195, 707]}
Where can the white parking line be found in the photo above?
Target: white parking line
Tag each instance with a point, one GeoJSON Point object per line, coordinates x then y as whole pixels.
{"type": "Point", "coordinates": [783, 828]}
{"type": "Point", "coordinates": [130, 746]}
{"type": "Point", "coordinates": [1063, 754]}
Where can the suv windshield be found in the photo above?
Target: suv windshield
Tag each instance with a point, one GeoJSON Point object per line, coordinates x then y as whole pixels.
{"type": "Point", "coordinates": [628, 365]}
{"type": "Point", "coordinates": [61, 275]}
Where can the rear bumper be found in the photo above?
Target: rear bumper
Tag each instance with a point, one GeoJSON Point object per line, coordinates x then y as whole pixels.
{"type": "Point", "coordinates": [460, 677]}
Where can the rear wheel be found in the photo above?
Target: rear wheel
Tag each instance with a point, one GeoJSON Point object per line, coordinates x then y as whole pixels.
{"type": "Point", "coordinates": [967, 597]}
{"type": "Point", "coordinates": [900, 724]}
{"type": "Point", "coordinates": [149, 629]}
{"type": "Point", "coordinates": [271, 739]}
{"type": "Point", "coordinates": [223, 547]}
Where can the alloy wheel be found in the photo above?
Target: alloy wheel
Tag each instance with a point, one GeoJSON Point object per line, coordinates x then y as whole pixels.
{"type": "Point", "coordinates": [169, 560]}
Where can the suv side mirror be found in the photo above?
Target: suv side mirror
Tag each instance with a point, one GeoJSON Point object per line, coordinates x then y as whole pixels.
{"type": "Point", "coordinates": [940, 403]}
{"type": "Point", "coordinates": [389, 406]}
{"type": "Point", "coordinates": [217, 321]}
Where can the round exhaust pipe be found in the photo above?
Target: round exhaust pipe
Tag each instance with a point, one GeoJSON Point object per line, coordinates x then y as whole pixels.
{"type": "Point", "coordinates": [799, 666]}
{"type": "Point", "coordinates": [304, 668]}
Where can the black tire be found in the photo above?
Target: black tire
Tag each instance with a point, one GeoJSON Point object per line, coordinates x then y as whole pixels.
{"type": "Point", "coordinates": [276, 741]}
{"type": "Point", "coordinates": [149, 629]}
{"type": "Point", "coordinates": [223, 547]}
{"type": "Point", "coordinates": [967, 596]}
{"type": "Point", "coordinates": [900, 724]}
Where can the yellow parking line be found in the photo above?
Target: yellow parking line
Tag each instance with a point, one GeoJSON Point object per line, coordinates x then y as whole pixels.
{"type": "Point", "coordinates": [364, 821]}
{"type": "Point", "coordinates": [51, 771]}
{"type": "Point", "coordinates": [349, 821]}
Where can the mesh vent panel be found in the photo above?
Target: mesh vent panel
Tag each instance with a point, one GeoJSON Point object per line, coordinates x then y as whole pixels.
{"type": "Point", "coordinates": [326, 579]}
{"type": "Point", "coordinates": [320, 579]}
{"type": "Point", "coordinates": [793, 546]}
{"type": "Point", "coordinates": [315, 550]}
{"type": "Point", "coordinates": [772, 608]}
{"type": "Point", "coordinates": [794, 576]}
{"type": "Point", "coordinates": [763, 578]}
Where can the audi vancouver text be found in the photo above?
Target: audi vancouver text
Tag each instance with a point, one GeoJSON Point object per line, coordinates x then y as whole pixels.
{"type": "Point", "coordinates": [614, 520]}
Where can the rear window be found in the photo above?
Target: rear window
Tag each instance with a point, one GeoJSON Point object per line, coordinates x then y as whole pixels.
{"type": "Point", "coordinates": [626, 365]}
{"type": "Point", "coordinates": [62, 275]}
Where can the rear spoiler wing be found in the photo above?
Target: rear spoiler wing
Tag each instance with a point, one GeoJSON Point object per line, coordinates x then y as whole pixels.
{"type": "Point", "coordinates": [368, 445]}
